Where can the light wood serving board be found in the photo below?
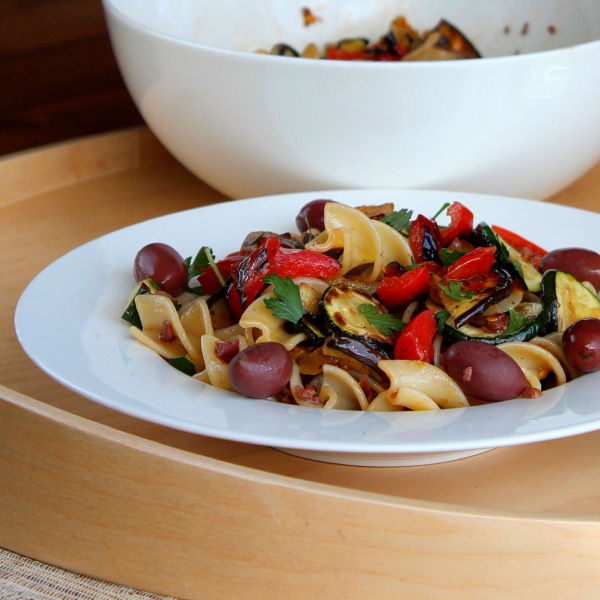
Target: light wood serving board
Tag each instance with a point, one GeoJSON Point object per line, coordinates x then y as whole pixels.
{"type": "Point", "coordinates": [100, 493]}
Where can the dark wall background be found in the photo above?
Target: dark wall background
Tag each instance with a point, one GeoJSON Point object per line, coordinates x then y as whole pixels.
{"type": "Point", "coordinates": [58, 76]}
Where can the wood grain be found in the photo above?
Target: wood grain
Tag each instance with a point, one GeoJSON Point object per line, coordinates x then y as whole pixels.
{"type": "Point", "coordinates": [95, 491]}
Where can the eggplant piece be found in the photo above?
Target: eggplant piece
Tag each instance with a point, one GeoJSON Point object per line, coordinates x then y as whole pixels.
{"type": "Point", "coordinates": [475, 295]}
{"type": "Point", "coordinates": [284, 50]}
{"type": "Point", "coordinates": [353, 354]}
{"type": "Point", "coordinates": [452, 39]}
{"type": "Point", "coordinates": [536, 318]}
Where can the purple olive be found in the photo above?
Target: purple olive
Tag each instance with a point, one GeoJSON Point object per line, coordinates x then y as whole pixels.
{"type": "Point", "coordinates": [581, 345]}
{"type": "Point", "coordinates": [583, 264]}
{"type": "Point", "coordinates": [484, 371]}
{"type": "Point", "coordinates": [260, 370]}
{"type": "Point", "coordinates": [164, 265]}
{"type": "Point", "coordinates": [311, 216]}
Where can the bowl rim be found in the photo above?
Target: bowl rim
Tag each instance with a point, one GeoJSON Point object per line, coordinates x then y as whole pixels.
{"type": "Point", "coordinates": [110, 7]}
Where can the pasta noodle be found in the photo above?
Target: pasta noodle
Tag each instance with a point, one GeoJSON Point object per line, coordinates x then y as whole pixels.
{"type": "Point", "coordinates": [367, 313]}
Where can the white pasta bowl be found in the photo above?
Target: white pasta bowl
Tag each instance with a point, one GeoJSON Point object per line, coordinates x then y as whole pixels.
{"type": "Point", "coordinates": [523, 121]}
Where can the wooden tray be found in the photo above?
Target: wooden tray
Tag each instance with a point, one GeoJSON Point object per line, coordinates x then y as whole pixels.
{"type": "Point", "coordinates": [101, 493]}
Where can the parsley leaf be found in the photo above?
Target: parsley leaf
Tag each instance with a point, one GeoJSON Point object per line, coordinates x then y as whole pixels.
{"type": "Point", "coordinates": [385, 322]}
{"type": "Point", "coordinates": [413, 264]}
{"type": "Point", "coordinates": [200, 263]}
{"type": "Point", "coordinates": [455, 291]}
{"type": "Point", "coordinates": [398, 219]}
{"type": "Point", "coordinates": [439, 212]}
{"type": "Point", "coordinates": [450, 256]}
{"type": "Point", "coordinates": [442, 316]}
{"type": "Point", "coordinates": [183, 364]}
{"type": "Point", "coordinates": [516, 323]}
{"type": "Point", "coordinates": [287, 303]}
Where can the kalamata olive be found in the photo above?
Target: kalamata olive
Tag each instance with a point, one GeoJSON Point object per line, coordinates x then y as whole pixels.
{"type": "Point", "coordinates": [260, 370]}
{"type": "Point", "coordinates": [164, 265]}
{"type": "Point", "coordinates": [581, 345]}
{"type": "Point", "coordinates": [583, 264]}
{"type": "Point", "coordinates": [311, 216]}
{"type": "Point", "coordinates": [484, 371]}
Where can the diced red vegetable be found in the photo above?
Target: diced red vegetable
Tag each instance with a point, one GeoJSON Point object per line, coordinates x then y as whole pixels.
{"type": "Point", "coordinates": [415, 342]}
{"type": "Point", "coordinates": [400, 290]}
{"type": "Point", "coordinates": [272, 258]}
{"type": "Point", "coordinates": [299, 263]}
{"type": "Point", "coordinates": [477, 262]}
{"type": "Point", "coordinates": [208, 279]}
{"type": "Point", "coordinates": [518, 242]}
{"type": "Point", "coordinates": [424, 239]}
{"type": "Point", "coordinates": [234, 301]}
{"type": "Point", "coordinates": [461, 222]}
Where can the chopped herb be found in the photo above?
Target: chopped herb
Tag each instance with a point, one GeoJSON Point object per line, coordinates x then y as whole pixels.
{"type": "Point", "coordinates": [287, 303]}
{"type": "Point", "coordinates": [442, 316]}
{"type": "Point", "coordinates": [257, 239]}
{"type": "Point", "coordinates": [413, 264]}
{"type": "Point", "coordinates": [450, 256]}
{"type": "Point", "coordinates": [398, 220]}
{"type": "Point", "coordinates": [439, 212]}
{"type": "Point", "coordinates": [201, 262]}
{"type": "Point", "coordinates": [385, 322]}
{"type": "Point", "coordinates": [455, 291]}
{"type": "Point", "coordinates": [516, 323]}
{"type": "Point", "coordinates": [183, 364]}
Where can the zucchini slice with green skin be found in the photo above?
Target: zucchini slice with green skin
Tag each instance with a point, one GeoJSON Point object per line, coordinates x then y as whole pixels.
{"type": "Point", "coordinates": [130, 314]}
{"type": "Point", "coordinates": [536, 318]}
{"type": "Point", "coordinates": [340, 307]}
{"type": "Point", "coordinates": [567, 300]}
{"type": "Point", "coordinates": [511, 258]}
{"type": "Point", "coordinates": [313, 326]}
{"type": "Point", "coordinates": [496, 286]}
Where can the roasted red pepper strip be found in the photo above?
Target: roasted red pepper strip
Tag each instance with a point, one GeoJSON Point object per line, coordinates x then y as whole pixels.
{"type": "Point", "coordinates": [270, 257]}
{"type": "Point", "coordinates": [477, 262]}
{"type": "Point", "coordinates": [234, 302]}
{"type": "Point", "coordinates": [424, 240]}
{"type": "Point", "coordinates": [208, 279]}
{"type": "Point", "coordinates": [400, 290]}
{"type": "Point", "coordinates": [461, 222]}
{"type": "Point", "coordinates": [299, 263]}
{"type": "Point", "coordinates": [518, 242]}
{"type": "Point", "coordinates": [416, 340]}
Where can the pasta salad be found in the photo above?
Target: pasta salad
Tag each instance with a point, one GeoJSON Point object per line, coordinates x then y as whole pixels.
{"type": "Point", "coordinates": [373, 308]}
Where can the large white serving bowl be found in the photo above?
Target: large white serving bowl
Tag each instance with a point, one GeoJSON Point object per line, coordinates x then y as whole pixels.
{"type": "Point", "coordinates": [523, 121]}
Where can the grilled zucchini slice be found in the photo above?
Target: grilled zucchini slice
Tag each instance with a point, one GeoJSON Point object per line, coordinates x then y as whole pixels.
{"type": "Point", "coordinates": [567, 300]}
{"type": "Point", "coordinates": [340, 306]}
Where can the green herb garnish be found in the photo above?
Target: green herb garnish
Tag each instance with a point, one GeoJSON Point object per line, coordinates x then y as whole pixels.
{"type": "Point", "coordinates": [183, 364]}
{"type": "Point", "coordinates": [384, 322]}
{"type": "Point", "coordinates": [455, 291]}
{"type": "Point", "coordinates": [442, 316]}
{"type": "Point", "coordinates": [398, 220]}
{"type": "Point", "coordinates": [287, 303]}
{"type": "Point", "coordinates": [439, 212]}
{"type": "Point", "coordinates": [450, 256]}
{"type": "Point", "coordinates": [516, 323]}
{"type": "Point", "coordinates": [200, 263]}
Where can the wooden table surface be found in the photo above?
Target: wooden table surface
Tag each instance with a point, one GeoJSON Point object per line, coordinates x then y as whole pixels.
{"type": "Point", "coordinates": [97, 492]}
{"type": "Point", "coordinates": [100, 493]}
